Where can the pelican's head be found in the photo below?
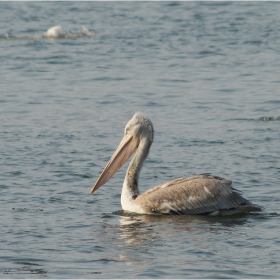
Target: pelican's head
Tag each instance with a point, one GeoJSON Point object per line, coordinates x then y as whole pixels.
{"type": "Point", "coordinates": [138, 129]}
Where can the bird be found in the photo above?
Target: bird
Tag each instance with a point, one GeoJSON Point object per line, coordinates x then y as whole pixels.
{"type": "Point", "coordinates": [55, 32]}
{"type": "Point", "coordinates": [202, 194]}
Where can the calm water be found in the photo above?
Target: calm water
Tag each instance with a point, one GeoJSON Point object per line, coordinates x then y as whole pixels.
{"type": "Point", "coordinates": [207, 74]}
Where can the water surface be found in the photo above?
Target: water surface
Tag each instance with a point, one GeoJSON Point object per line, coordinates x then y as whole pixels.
{"type": "Point", "coordinates": [207, 75]}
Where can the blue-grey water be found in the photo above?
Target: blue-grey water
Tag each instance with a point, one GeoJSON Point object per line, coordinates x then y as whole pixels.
{"type": "Point", "coordinates": [206, 73]}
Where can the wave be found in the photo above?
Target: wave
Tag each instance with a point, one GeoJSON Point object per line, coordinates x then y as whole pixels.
{"type": "Point", "coordinates": [267, 119]}
{"type": "Point", "coordinates": [55, 32]}
{"type": "Point", "coordinates": [264, 119]}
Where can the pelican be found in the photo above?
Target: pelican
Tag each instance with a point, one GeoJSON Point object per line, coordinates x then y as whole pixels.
{"type": "Point", "coordinates": [199, 194]}
{"type": "Point", "coordinates": [55, 32]}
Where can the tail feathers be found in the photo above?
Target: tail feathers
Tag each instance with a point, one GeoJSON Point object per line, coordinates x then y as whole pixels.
{"type": "Point", "coordinates": [239, 210]}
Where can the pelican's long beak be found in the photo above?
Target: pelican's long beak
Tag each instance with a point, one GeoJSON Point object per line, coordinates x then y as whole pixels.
{"type": "Point", "coordinates": [125, 149]}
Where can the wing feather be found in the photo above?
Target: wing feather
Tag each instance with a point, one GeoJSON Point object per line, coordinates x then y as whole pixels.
{"type": "Point", "coordinates": [198, 194]}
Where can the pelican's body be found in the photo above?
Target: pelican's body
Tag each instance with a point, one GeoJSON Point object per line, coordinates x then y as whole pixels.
{"type": "Point", "coordinates": [199, 194]}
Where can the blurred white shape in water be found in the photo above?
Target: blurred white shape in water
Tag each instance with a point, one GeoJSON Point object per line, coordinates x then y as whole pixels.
{"type": "Point", "coordinates": [55, 32]}
{"type": "Point", "coordinates": [85, 30]}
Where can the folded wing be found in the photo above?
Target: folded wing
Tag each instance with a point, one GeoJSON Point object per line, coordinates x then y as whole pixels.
{"type": "Point", "coordinates": [199, 194]}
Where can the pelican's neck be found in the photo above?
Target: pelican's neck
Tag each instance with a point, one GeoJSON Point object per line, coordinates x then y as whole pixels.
{"type": "Point", "coordinates": [130, 185]}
